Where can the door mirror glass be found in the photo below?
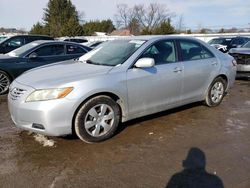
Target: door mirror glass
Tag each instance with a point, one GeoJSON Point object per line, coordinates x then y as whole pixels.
{"type": "Point", "coordinates": [145, 63]}
{"type": "Point", "coordinates": [33, 55]}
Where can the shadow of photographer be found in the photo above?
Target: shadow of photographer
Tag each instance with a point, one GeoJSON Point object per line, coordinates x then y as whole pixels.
{"type": "Point", "coordinates": [194, 174]}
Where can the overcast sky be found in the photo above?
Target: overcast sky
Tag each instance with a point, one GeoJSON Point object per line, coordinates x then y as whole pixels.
{"type": "Point", "coordinates": [24, 13]}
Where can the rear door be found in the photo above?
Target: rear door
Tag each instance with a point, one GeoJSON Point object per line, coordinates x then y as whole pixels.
{"type": "Point", "coordinates": [200, 67]}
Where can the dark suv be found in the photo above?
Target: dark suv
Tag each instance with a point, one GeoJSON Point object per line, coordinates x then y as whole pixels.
{"type": "Point", "coordinates": [224, 44]}
{"type": "Point", "coordinates": [17, 41]}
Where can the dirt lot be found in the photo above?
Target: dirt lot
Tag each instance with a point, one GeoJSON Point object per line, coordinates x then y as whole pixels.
{"type": "Point", "coordinates": [147, 152]}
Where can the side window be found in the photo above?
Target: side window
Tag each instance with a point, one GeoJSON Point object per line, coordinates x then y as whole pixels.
{"type": "Point", "coordinates": [15, 42]}
{"type": "Point", "coordinates": [194, 51]}
{"type": "Point", "coordinates": [162, 52]}
{"type": "Point", "coordinates": [73, 49]}
{"type": "Point", "coordinates": [50, 50]}
{"type": "Point", "coordinates": [30, 39]}
{"type": "Point", "coordinates": [241, 41]}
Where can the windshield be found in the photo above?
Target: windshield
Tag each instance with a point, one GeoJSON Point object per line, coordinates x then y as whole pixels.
{"type": "Point", "coordinates": [222, 41]}
{"type": "Point", "coordinates": [247, 45]}
{"type": "Point", "coordinates": [112, 53]}
{"type": "Point", "coordinates": [19, 51]}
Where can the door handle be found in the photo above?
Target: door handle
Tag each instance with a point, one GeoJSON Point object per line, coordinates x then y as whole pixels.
{"type": "Point", "coordinates": [177, 69]}
{"type": "Point", "coordinates": [215, 63]}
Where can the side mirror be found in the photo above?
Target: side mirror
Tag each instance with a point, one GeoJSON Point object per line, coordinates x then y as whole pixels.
{"type": "Point", "coordinates": [33, 55]}
{"type": "Point", "coordinates": [145, 63]}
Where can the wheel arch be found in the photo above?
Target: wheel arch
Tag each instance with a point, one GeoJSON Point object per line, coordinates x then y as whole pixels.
{"type": "Point", "coordinates": [225, 78]}
{"type": "Point", "coordinates": [10, 75]}
{"type": "Point", "coordinates": [113, 96]}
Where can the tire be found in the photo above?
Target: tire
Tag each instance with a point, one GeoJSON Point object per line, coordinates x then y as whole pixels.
{"type": "Point", "coordinates": [97, 119]}
{"type": "Point", "coordinates": [4, 82]}
{"type": "Point", "coordinates": [216, 92]}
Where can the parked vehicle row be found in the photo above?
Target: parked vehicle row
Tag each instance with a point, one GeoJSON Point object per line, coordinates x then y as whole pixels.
{"type": "Point", "coordinates": [118, 81]}
{"type": "Point", "coordinates": [224, 44]}
{"type": "Point", "coordinates": [35, 54]}
{"type": "Point", "coordinates": [239, 48]}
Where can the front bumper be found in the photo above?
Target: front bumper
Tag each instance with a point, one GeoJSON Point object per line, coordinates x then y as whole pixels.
{"type": "Point", "coordinates": [243, 71]}
{"type": "Point", "coordinates": [55, 116]}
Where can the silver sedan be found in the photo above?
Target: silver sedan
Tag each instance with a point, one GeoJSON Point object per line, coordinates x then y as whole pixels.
{"type": "Point", "coordinates": [118, 81]}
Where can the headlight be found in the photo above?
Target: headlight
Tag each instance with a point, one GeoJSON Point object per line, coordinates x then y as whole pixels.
{"type": "Point", "coordinates": [48, 94]}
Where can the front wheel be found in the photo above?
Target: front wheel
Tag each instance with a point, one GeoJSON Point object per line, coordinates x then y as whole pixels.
{"type": "Point", "coordinates": [4, 82]}
{"type": "Point", "coordinates": [216, 92]}
{"type": "Point", "coordinates": [97, 119]}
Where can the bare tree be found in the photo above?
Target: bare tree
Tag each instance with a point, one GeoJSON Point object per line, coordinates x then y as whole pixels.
{"type": "Point", "coordinates": [147, 17]}
{"type": "Point", "coordinates": [180, 24]}
{"type": "Point", "coordinates": [123, 16]}
{"type": "Point", "coordinates": [152, 16]}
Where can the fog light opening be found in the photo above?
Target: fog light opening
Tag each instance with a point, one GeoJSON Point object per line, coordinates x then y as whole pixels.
{"type": "Point", "coordinates": [37, 126]}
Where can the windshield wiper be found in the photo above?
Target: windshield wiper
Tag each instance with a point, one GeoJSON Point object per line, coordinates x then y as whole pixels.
{"type": "Point", "coordinates": [96, 63]}
{"type": "Point", "coordinates": [92, 62]}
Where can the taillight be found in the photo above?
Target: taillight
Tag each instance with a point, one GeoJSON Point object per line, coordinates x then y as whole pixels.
{"type": "Point", "coordinates": [234, 62]}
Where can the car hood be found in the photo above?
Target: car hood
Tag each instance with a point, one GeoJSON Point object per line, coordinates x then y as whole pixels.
{"type": "Point", "coordinates": [240, 51]}
{"type": "Point", "coordinates": [61, 74]}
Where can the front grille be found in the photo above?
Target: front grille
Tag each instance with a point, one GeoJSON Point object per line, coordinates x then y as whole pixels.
{"type": "Point", "coordinates": [16, 93]}
{"type": "Point", "coordinates": [243, 59]}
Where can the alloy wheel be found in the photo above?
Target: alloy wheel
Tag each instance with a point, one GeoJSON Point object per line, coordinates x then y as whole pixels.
{"type": "Point", "coordinates": [4, 83]}
{"type": "Point", "coordinates": [217, 92]}
{"type": "Point", "coordinates": [99, 120]}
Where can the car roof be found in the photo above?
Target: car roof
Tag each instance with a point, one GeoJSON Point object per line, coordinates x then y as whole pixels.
{"type": "Point", "coordinates": [55, 41]}
{"type": "Point", "coordinates": [157, 37]}
{"type": "Point", "coordinates": [233, 37]}
{"type": "Point", "coordinates": [40, 42]}
{"type": "Point", "coordinates": [31, 36]}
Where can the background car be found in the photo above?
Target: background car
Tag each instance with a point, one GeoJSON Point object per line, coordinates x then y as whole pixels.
{"type": "Point", "coordinates": [93, 44]}
{"type": "Point", "coordinates": [2, 37]}
{"type": "Point", "coordinates": [224, 44]}
{"type": "Point", "coordinates": [17, 41]}
{"type": "Point", "coordinates": [118, 81]}
{"type": "Point", "coordinates": [242, 56]}
{"type": "Point", "coordinates": [77, 40]}
{"type": "Point", "coordinates": [35, 54]}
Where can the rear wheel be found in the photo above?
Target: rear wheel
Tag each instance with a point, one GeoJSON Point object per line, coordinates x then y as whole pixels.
{"type": "Point", "coordinates": [216, 92]}
{"type": "Point", "coordinates": [97, 119]}
{"type": "Point", "coordinates": [4, 82]}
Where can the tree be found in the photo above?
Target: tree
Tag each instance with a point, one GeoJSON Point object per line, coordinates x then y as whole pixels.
{"type": "Point", "coordinates": [72, 28]}
{"type": "Point", "coordinates": [98, 26]}
{"type": "Point", "coordinates": [143, 18]}
{"type": "Point", "coordinates": [180, 24]}
{"type": "Point", "coordinates": [124, 16]}
{"type": "Point", "coordinates": [60, 19]}
{"type": "Point", "coordinates": [189, 31]}
{"type": "Point", "coordinates": [222, 30]}
{"type": "Point", "coordinates": [38, 28]}
{"type": "Point", "coordinates": [165, 28]}
{"type": "Point", "coordinates": [134, 27]}
{"type": "Point", "coordinates": [152, 16]}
